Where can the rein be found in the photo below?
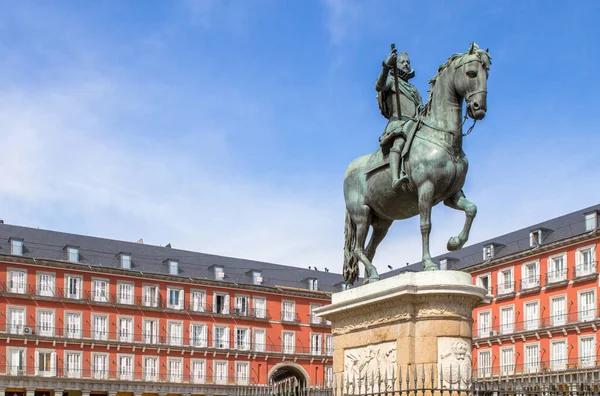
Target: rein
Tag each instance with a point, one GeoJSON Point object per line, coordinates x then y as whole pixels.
{"type": "Point", "coordinates": [454, 133]}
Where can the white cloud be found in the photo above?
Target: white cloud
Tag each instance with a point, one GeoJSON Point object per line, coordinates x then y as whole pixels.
{"type": "Point", "coordinates": [342, 18]}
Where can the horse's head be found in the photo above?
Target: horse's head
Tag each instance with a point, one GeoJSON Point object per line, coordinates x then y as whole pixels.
{"type": "Point", "coordinates": [470, 80]}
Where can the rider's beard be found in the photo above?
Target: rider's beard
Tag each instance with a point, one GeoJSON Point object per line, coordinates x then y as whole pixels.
{"type": "Point", "coordinates": [406, 75]}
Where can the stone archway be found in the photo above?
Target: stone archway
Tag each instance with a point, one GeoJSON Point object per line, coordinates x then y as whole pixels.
{"type": "Point", "coordinates": [287, 370]}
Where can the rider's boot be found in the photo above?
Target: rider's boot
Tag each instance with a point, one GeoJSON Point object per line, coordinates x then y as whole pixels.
{"type": "Point", "coordinates": [399, 176]}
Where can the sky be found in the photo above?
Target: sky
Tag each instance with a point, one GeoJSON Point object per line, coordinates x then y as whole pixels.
{"type": "Point", "coordinates": [226, 126]}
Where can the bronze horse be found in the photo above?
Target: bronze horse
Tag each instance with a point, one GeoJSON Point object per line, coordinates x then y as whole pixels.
{"type": "Point", "coordinates": [436, 165]}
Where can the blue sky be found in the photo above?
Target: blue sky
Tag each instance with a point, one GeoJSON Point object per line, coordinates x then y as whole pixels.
{"type": "Point", "coordinates": [226, 126]}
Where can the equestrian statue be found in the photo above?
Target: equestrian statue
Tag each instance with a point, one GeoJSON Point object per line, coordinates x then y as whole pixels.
{"type": "Point", "coordinates": [420, 162]}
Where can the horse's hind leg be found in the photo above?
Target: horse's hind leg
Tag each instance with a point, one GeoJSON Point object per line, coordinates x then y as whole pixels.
{"type": "Point", "coordinates": [362, 218]}
{"type": "Point", "coordinates": [380, 229]}
{"type": "Point", "coordinates": [459, 202]}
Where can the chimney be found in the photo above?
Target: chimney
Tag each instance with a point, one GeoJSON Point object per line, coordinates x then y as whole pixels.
{"type": "Point", "coordinates": [141, 240]}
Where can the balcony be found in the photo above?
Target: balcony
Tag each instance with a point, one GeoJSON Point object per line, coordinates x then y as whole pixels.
{"type": "Point", "coordinates": [554, 367]}
{"type": "Point", "coordinates": [585, 271]}
{"type": "Point", "coordinates": [290, 317]}
{"type": "Point", "coordinates": [505, 290]}
{"type": "Point", "coordinates": [557, 278]}
{"type": "Point", "coordinates": [530, 284]}
{"type": "Point", "coordinates": [560, 321]}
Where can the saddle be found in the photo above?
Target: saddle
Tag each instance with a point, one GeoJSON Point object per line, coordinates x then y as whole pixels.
{"type": "Point", "coordinates": [380, 158]}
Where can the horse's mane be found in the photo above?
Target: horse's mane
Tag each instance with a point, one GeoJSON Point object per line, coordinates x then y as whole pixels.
{"type": "Point", "coordinates": [483, 56]}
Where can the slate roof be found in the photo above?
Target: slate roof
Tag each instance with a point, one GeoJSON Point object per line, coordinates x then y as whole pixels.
{"type": "Point", "coordinates": [556, 229]}
{"type": "Point", "coordinates": [50, 245]}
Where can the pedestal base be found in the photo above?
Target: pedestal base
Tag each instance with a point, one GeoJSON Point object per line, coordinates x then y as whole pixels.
{"type": "Point", "coordinates": [416, 321]}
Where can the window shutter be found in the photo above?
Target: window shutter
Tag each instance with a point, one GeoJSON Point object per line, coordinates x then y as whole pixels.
{"type": "Point", "coordinates": [226, 308]}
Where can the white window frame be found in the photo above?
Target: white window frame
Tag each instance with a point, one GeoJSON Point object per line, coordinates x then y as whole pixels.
{"type": "Point", "coordinates": [488, 252]}
{"type": "Point", "coordinates": [151, 331]}
{"type": "Point", "coordinates": [73, 328]}
{"type": "Point", "coordinates": [220, 375]}
{"type": "Point", "coordinates": [587, 361]}
{"type": "Point", "coordinates": [242, 378]}
{"type": "Point", "coordinates": [97, 293]}
{"type": "Point", "coordinates": [100, 372]}
{"type": "Point", "coordinates": [479, 282]}
{"type": "Point", "coordinates": [17, 246]}
{"type": "Point", "coordinates": [202, 340]}
{"type": "Point", "coordinates": [172, 337]}
{"type": "Point", "coordinates": [581, 267]}
{"type": "Point", "coordinates": [591, 221]}
{"type": "Point", "coordinates": [316, 344]}
{"type": "Point", "coordinates": [535, 238]}
{"type": "Point", "coordinates": [16, 368]}
{"type": "Point", "coordinates": [17, 283]}
{"type": "Point", "coordinates": [149, 300]}
{"type": "Point", "coordinates": [484, 330]}
{"type": "Point", "coordinates": [175, 375]}
{"type": "Point", "coordinates": [531, 323]}
{"type": "Point", "coordinates": [73, 255]}
{"type": "Point", "coordinates": [150, 372]}
{"type": "Point", "coordinates": [246, 342]}
{"type": "Point", "coordinates": [173, 267]}
{"type": "Point", "coordinates": [124, 374]}
{"type": "Point", "coordinates": [328, 344]}
{"type": "Point", "coordinates": [242, 305]}
{"type": "Point", "coordinates": [256, 345]}
{"type": "Point", "coordinates": [221, 344]}
{"type": "Point", "coordinates": [505, 287]}
{"type": "Point", "coordinates": [288, 315]}
{"type": "Point", "coordinates": [531, 366]}
{"type": "Point", "coordinates": [71, 372]}
{"type": "Point", "coordinates": [45, 329]}
{"type": "Point", "coordinates": [507, 367]}
{"type": "Point", "coordinates": [226, 303]}
{"type": "Point", "coordinates": [558, 362]}
{"type": "Point", "coordinates": [313, 284]}
{"type": "Point", "coordinates": [257, 278]}
{"type": "Point", "coordinates": [219, 272]}
{"type": "Point", "coordinates": [46, 290]}
{"type": "Point", "coordinates": [560, 275]}
{"type": "Point", "coordinates": [314, 319]}
{"type": "Point", "coordinates": [125, 335]}
{"type": "Point", "coordinates": [484, 370]}
{"type": "Point", "coordinates": [125, 261]}
{"type": "Point", "coordinates": [98, 333]}
{"type": "Point", "coordinates": [558, 318]}
{"type": "Point", "coordinates": [178, 305]}
{"type": "Point", "coordinates": [126, 292]}
{"type": "Point", "coordinates": [285, 348]}
{"type": "Point", "coordinates": [529, 281]}
{"type": "Point", "coordinates": [198, 376]}
{"type": "Point", "coordinates": [328, 376]}
{"type": "Point", "coordinates": [68, 289]}
{"type": "Point", "coordinates": [16, 328]}
{"type": "Point", "coordinates": [260, 312]}
{"type": "Point", "coordinates": [507, 325]}
{"type": "Point", "coordinates": [45, 373]}
{"type": "Point", "coordinates": [586, 314]}
{"type": "Point", "coordinates": [198, 300]}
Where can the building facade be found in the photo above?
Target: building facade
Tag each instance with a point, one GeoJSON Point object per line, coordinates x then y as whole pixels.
{"type": "Point", "coordinates": [89, 316]}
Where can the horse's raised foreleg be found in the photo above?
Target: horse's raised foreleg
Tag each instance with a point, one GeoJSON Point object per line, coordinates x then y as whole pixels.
{"type": "Point", "coordinates": [459, 202]}
{"type": "Point", "coordinates": [363, 218]}
{"type": "Point", "coordinates": [426, 193]}
{"type": "Point", "coordinates": [380, 229]}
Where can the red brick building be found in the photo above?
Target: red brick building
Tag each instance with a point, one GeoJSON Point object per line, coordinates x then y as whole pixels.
{"type": "Point", "coordinates": [85, 315]}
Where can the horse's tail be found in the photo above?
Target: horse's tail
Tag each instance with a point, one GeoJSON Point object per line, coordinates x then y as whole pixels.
{"type": "Point", "coordinates": [350, 260]}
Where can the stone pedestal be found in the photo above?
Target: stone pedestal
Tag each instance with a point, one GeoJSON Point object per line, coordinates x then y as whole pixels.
{"type": "Point", "coordinates": [416, 323]}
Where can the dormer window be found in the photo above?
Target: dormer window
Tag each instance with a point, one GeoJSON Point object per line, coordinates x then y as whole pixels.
{"type": "Point", "coordinates": [73, 254]}
{"type": "Point", "coordinates": [219, 273]}
{"type": "Point", "coordinates": [591, 221]}
{"type": "Point", "coordinates": [16, 247]}
{"type": "Point", "coordinates": [443, 264]}
{"type": "Point", "coordinates": [313, 284]}
{"type": "Point", "coordinates": [173, 267]}
{"type": "Point", "coordinates": [257, 278]}
{"type": "Point", "coordinates": [535, 238]}
{"type": "Point", "coordinates": [488, 252]}
{"type": "Point", "coordinates": [125, 259]}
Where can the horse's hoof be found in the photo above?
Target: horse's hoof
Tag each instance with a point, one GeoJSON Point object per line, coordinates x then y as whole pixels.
{"type": "Point", "coordinates": [430, 266]}
{"type": "Point", "coordinates": [454, 244]}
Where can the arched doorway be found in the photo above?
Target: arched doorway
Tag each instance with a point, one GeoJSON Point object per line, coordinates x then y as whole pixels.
{"type": "Point", "coordinates": [288, 376]}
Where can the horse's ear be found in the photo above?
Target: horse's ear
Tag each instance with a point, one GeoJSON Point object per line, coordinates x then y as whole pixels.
{"type": "Point", "coordinates": [472, 48]}
{"type": "Point", "coordinates": [487, 50]}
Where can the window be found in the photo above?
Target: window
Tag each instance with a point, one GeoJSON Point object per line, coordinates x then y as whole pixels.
{"type": "Point", "coordinates": [73, 254]}
{"type": "Point", "coordinates": [328, 344]}
{"type": "Point", "coordinates": [532, 358]}
{"type": "Point", "coordinates": [484, 363]}
{"type": "Point", "coordinates": [126, 329]}
{"type": "Point", "coordinates": [288, 313]}
{"type": "Point", "coordinates": [198, 371]}
{"type": "Point", "coordinates": [45, 323]}
{"type": "Point", "coordinates": [175, 369]}
{"type": "Point", "coordinates": [175, 334]}
{"type": "Point", "coordinates": [587, 355]}
{"type": "Point", "coordinates": [557, 268]}
{"type": "Point", "coordinates": [219, 273]}
{"type": "Point", "coordinates": [242, 373]}
{"type": "Point", "coordinates": [125, 293]}
{"type": "Point", "coordinates": [488, 252]}
{"type": "Point", "coordinates": [443, 264]}
{"type": "Point", "coordinates": [73, 325]}
{"type": "Point", "coordinates": [220, 372]}
{"type": "Point", "coordinates": [505, 282]}
{"type": "Point", "coordinates": [260, 307]}
{"type": "Point", "coordinates": [586, 264]}
{"type": "Point", "coordinates": [259, 340]}
{"type": "Point", "coordinates": [485, 324]}
{"type": "Point", "coordinates": [150, 297]}
{"type": "Point", "coordinates": [100, 290]}
{"type": "Point", "coordinates": [45, 363]}
{"type": "Point", "coordinates": [150, 368]}
{"type": "Point", "coordinates": [257, 278]}
{"type": "Point", "coordinates": [313, 284]}
{"type": "Point", "coordinates": [242, 305]}
{"type": "Point", "coordinates": [587, 305]}
{"type": "Point", "coordinates": [17, 363]}
{"type": "Point", "coordinates": [507, 319]}
{"type": "Point", "coordinates": [45, 284]}
{"type": "Point", "coordinates": [289, 344]}
{"type": "Point", "coordinates": [199, 335]}
{"type": "Point", "coordinates": [173, 267]}
{"type": "Point", "coordinates": [507, 361]}
{"type": "Point", "coordinates": [221, 337]}
{"type": "Point", "coordinates": [558, 311]}
{"type": "Point", "coordinates": [151, 331]}
{"type": "Point", "coordinates": [314, 319]}
{"type": "Point", "coordinates": [99, 365]}
{"type": "Point", "coordinates": [198, 300]}
{"type": "Point", "coordinates": [73, 364]}
{"type": "Point", "coordinates": [73, 286]}
{"type": "Point", "coordinates": [532, 315]}
{"type": "Point", "coordinates": [17, 281]}
{"type": "Point", "coordinates": [174, 298]}
{"type": "Point", "coordinates": [329, 376]}
{"type": "Point", "coordinates": [16, 247]}
{"type": "Point", "coordinates": [126, 367]}
{"type": "Point", "coordinates": [242, 339]}
{"type": "Point", "coordinates": [221, 303]}
{"type": "Point", "coordinates": [530, 275]}
{"type": "Point", "coordinates": [100, 327]}
{"type": "Point", "coordinates": [558, 355]}
{"type": "Point", "coordinates": [316, 344]}
{"type": "Point", "coordinates": [535, 238]}
{"type": "Point", "coordinates": [125, 260]}
{"type": "Point", "coordinates": [591, 221]}
{"type": "Point", "coordinates": [485, 282]}
{"type": "Point", "coordinates": [16, 320]}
